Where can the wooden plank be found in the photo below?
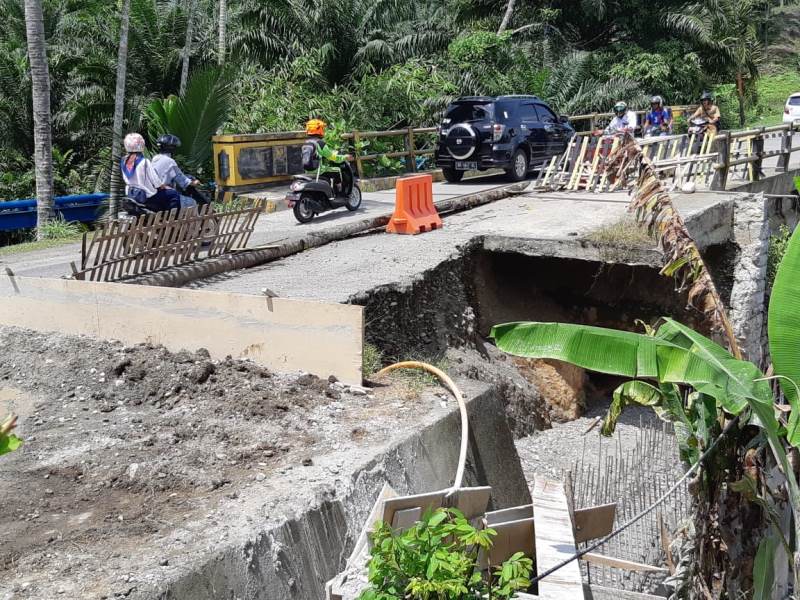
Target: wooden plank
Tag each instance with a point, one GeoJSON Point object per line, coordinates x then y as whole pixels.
{"type": "Point", "coordinates": [596, 592]}
{"type": "Point", "coordinates": [324, 338]}
{"type": "Point", "coordinates": [619, 563]}
{"type": "Point", "coordinates": [594, 522]}
{"type": "Point", "coordinates": [555, 542]}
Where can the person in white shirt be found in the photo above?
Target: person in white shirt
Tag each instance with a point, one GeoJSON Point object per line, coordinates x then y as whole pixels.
{"type": "Point", "coordinates": [624, 120]}
{"type": "Point", "coordinates": [167, 168]}
{"type": "Point", "coordinates": [143, 184]}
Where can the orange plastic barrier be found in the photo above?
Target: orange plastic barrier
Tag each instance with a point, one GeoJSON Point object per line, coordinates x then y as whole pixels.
{"type": "Point", "coordinates": [414, 211]}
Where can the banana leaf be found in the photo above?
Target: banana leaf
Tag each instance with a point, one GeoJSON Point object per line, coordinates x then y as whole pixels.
{"type": "Point", "coordinates": [678, 355]}
{"type": "Point", "coordinates": [763, 568]}
{"type": "Point", "coordinates": [783, 324]}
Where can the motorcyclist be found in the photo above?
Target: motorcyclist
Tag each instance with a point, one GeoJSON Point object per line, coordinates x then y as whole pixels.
{"type": "Point", "coordinates": [319, 157]}
{"type": "Point", "coordinates": [658, 119]}
{"type": "Point", "coordinates": [624, 120]}
{"type": "Point", "coordinates": [169, 171]}
{"type": "Point", "coordinates": [708, 110]}
{"type": "Point", "coordinates": [143, 184]}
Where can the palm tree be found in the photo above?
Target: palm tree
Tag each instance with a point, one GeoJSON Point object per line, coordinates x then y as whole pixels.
{"type": "Point", "coordinates": [223, 23]}
{"type": "Point", "coordinates": [119, 109]}
{"type": "Point", "coordinates": [187, 46]}
{"type": "Point", "coordinates": [728, 30]}
{"type": "Point", "coordinates": [42, 135]}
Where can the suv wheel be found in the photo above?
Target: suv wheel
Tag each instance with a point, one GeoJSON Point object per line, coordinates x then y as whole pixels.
{"type": "Point", "coordinates": [452, 175]}
{"type": "Point", "coordinates": [519, 165]}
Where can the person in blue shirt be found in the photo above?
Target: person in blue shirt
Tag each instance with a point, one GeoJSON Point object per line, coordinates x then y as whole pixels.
{"type": "Point", "coordinates": [658, 121]}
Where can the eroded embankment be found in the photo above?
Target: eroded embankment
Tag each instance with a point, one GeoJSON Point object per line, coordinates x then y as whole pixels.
{"type": "Point", "coordinates": [161, 475]}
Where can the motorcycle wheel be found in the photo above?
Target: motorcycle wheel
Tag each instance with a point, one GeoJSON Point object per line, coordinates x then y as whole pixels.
{"type": "Point", "coordinates": [303, 209]}
{"type": "Point", "coordinates": [354, 199]}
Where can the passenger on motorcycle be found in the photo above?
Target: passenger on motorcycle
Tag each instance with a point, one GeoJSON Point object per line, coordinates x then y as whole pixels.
{"type": "Point", "coordinates": [624, 120]}
{"type": "Point", "coordinates": [658, 120]}
{"type": "Point", "coordinates": [319, 157]}
{"type": "Point", "coordinates": [171, 173]}
{"type": "Point", "coordinates": [708, 110]}
{"type": "Point", "coordinates": [143, 184]}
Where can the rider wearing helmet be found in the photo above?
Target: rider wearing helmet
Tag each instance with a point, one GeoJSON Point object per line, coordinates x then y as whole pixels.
{"type": "Point", "coordinates": [624, 120]}
{"type": "Point", "coordinates": [658, 116]}
{"type": "Point", "coordinates": [168, 169]}
{"type": "Point", "coordinates": [318, 156]}
{"type": "Point", "coordinates": [143, 184]}
{"type": "Point", "coordinates": [708, 110]}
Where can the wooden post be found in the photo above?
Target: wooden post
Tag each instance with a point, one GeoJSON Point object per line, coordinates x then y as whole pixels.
{"type": "Point", "coordinates": [723, 142]}
{"type": "Point", "coordinates": [786, 150]}
{"type": "Point", "coordinates": [357, 153]}
{"type": "Point", "coordinates": [411, 150]}
{"type": "Point", "coordinates": [592, 121]}
{"type": "Point", "coordinates": [758, 150]}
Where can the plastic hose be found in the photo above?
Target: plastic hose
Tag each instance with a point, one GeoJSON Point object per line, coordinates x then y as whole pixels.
{"type": "Point", "coordinates": [444, 378]}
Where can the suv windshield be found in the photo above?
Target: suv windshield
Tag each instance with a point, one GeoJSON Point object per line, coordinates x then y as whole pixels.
{"type": "Point", "coordinates": [469, 111]}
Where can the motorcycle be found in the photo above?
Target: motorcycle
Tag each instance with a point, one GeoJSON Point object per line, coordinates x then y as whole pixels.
{"type": "Point", "coordinates": [698, 125]}
{"type": "Point", "coordinates": [309, 196]}
{"type": "Point", "coordinates": [655, 131]}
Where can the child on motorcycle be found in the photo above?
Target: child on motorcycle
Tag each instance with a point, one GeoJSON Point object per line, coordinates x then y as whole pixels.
{"type": "Point", "coordinates": [658, 121]}
{"type": "Point", "coordinates": [709, 111]}
{"type": "Point", "coordinates": [143, 184]}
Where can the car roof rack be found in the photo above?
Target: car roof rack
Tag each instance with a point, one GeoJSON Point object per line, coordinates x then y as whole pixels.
{"type": "Point", "coordinates": [520, 97]}
{"type": "Point", "coordinates": [475, 99]}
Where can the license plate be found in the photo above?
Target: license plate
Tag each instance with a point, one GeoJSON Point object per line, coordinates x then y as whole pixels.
{"type": "Point", "coordinates": [462, 165]}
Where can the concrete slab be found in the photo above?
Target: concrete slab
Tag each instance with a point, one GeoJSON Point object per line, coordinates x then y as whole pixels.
{"type": "Point", "coordinates": [341, 270]}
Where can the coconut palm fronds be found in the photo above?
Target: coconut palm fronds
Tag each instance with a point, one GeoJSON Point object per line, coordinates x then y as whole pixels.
{"type": "Point", "coordinates": [654, 209]}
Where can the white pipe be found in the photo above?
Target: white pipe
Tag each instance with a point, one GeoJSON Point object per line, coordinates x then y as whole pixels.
{"type": "Point", "coordinates": [453, 388]}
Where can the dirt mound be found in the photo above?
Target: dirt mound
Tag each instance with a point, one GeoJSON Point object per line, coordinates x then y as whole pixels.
{"type": "Point", "coordinates": [123, 441]}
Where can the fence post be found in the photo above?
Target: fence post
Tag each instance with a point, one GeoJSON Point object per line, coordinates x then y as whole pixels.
{"type": "Point", "coordinates": [357, 153]}
{"type": "Point", "coordinates": [758, 150]}
{"type": "Point", "coordinates": [592, 121]}
{"type": "Point", "coordinates": [412, 160]}
{"type": "Point", "coordinates": [786, 150]}
{"type": "Point", "coordinates": [723, 142]}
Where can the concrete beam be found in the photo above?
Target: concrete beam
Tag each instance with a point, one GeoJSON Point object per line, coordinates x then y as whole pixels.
{"type": "Point", "coordinates": [318, 337]}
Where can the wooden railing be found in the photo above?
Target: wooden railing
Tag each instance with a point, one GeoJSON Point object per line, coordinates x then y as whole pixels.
{"type": "Point", "coordinates": [151, 242]}
{"type": "Point", "coordinates": [593, 118]}
{"type": "Point", "coordinates": [410, 136]}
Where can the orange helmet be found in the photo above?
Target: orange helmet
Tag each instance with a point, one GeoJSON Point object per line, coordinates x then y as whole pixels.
{"type": "Point", "coordinates": [316, 127]}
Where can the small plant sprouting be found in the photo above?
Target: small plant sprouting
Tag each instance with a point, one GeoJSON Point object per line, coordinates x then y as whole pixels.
{"type": "Point", "coordinates": [437, 559]}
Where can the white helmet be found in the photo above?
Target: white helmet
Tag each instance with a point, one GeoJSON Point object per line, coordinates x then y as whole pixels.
{"type": "Point", "coordinates": [134, 143]}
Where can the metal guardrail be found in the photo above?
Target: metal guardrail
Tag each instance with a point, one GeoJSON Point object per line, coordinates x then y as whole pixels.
{"type": "Point", "coordinates": [21, 214]}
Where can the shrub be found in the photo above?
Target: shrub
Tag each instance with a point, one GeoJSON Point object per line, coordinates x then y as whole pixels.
{"type": "Point", "coordinates": [438, 558]}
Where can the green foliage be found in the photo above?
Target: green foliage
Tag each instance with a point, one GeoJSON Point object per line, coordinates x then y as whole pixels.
{"type": "Point", "coordinates": [59, 229]}
{"type": "Point", "coordinates": [777, 248]}
{"type": "Point", "coordinates": [485, 49]}
{"type": "Point", "coordinates": [438, 559]}
{"type": "Point", "coordinates": [764, 569]}
{"type": "Point", "coordinates": [194, 117]}
{"type": "Point", "coordinates": [783, 324]}
{"type": "Point", "coordinates": [371, 360]}
{"type": "Point", "coordinates": [8, 441]}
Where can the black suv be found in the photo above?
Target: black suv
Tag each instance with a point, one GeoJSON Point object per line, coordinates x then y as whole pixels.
{"type": "Point", "coordinates": [514, 133]}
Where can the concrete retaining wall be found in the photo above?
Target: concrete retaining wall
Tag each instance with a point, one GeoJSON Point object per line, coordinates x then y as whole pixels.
{"type": "Point", "coordinates": [296, 558]}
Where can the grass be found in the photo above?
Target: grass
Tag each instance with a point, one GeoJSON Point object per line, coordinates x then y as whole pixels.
{"type": "Point", "coordinates": [371, 360]}
{"type": "Point", "coordinates": [413, 380]}
{"type": "Point", "coordinates": [624, 233]}
{"type": "Point", "coordinates": [56, 233]}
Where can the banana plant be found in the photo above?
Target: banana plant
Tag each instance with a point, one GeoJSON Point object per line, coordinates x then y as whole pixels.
{"type": "Point", "coordinates": [663, 363]}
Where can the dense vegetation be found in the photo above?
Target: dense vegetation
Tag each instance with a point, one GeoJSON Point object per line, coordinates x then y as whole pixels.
{"type": "Point", "coordinates": [373, 64]}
